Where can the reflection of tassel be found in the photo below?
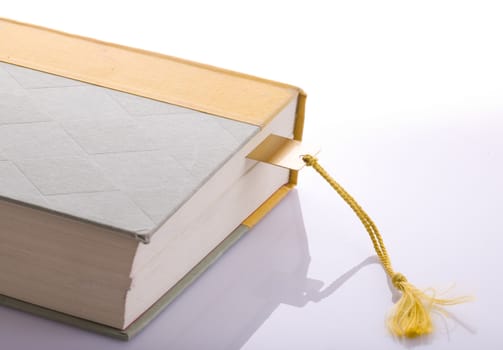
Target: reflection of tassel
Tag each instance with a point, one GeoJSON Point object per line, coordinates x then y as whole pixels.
{"type": "Point", "coordinates": [411, 315]}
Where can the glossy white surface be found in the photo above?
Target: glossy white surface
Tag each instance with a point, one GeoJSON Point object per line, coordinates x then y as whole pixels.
{"type": "Point", "coordinates": [406, 100]}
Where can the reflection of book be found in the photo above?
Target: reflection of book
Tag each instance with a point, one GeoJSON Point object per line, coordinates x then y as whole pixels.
{"type": "Point", "coordinates": [104, 149]}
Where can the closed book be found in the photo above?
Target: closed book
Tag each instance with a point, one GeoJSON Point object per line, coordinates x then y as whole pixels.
{"type": "Point", "coordinates": [125, 173]}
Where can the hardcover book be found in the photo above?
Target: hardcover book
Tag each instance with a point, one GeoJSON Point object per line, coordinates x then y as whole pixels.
{"type": "Point", "coordinates": [125, 173]}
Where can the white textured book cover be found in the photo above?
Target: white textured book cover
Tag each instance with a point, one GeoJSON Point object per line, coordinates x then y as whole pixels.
{"type": "Point", "coordinates": [105, 156]}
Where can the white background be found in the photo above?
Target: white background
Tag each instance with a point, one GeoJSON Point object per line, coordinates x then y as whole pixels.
{"type": "Point", "coordinates": [406, 100]}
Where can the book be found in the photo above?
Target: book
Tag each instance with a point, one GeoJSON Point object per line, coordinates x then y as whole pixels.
{"type": "Point", "coordinates": [125, 173]}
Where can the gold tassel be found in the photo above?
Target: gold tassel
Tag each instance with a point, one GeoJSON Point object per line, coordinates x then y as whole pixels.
{"type": "Point", "coordinates": [411, 315]}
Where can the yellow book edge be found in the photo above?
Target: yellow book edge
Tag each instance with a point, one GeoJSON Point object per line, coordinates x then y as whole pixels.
{"type": "Point", "coordinates": [164, 78]}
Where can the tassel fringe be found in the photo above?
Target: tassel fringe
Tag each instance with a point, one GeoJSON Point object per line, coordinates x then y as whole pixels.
{"type": "Point", "coordinates": [411, 315]}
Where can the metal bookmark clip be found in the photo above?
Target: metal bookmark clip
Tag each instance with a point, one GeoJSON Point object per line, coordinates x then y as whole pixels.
{"type": "Point", "coordinates": [282, 152]}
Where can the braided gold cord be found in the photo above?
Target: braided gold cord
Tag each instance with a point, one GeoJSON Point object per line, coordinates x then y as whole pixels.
{"type": "Point", "coordinates": [367, 222]}
{"type": "Point", "coordinates": [411, 314]}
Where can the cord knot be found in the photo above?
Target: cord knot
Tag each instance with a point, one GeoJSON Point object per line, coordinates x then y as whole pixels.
{"type": "Point", "coordinates": [309, 159]}
{"type": "Point", "coordinates": [398, 281]}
